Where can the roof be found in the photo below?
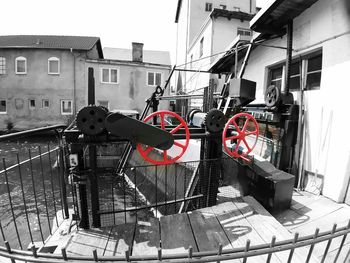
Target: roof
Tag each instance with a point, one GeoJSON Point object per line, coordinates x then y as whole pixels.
{"type": "Point", "coordinates": [275, 15]}
{"type": "Point", "coordinates": [179, 2]}
{"type": "Point", "coordinates": [226, 60]}
{"type": "Point", "coordinates": [149, 56]}
{"type": "Point", "coordinates": [218, 12]}
{"type": "Point", "coordinates": [51, 42]}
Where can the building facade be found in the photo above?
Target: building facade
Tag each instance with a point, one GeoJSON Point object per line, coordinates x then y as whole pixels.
{"type": "Point", "coordinates": [214, 36]}
{"type": "Point", "coordinates": [203, 29]}
{"type": "Point", "coordinates": [42, 78]}
{"type": "Point", "coordinates": [318, 80]}
{"type": "Point", "coordinates": [127, 77]}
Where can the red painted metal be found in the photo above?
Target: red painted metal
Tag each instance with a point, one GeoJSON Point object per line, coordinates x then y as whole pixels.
{"type": "Point", "coordinates": [241, 132]}
{"type": "Point", "coordinates": [144, 150]}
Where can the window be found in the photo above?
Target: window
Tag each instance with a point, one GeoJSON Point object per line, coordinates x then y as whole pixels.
{"type": "Point", "coordinates": [276, 77]}
{"type": "Point", "coordinates": [201, 47]}
{"type": "Point", "coordinates": [208, 7]}
{"type": "Point", "coordinates": [31, 104]}
{"type": "Point", "coordinates": [21, 65]}
{"type": "Point", "coordinates": [2, 65]}
{"type": "Point", "coordinates": [66, 107]}
{"type": "Point", "coordinates": [310, 64]}
{"type": "Point", "coordinates": [294, 82]}
{"type": "Point", "coordinates": [103, 103]}
{"type": "Point", "coordinates": [3, 108]}
{"type": "Point", "coordinates": [244, 32]}
{"type": "Point", "coordinates": [313, 73]}
{"type": "Point", "coordinates": [223, 7]}
{"type": "Point", "coordinates": [109, 75]}
{"type": "Point", "coordinates": [53, 65]}
{"type": "Point", "coordinates": [154, 79]}
{"type": "Point", "coordinates": [45, 103]}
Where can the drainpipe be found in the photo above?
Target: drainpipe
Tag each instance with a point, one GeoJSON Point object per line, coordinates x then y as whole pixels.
{"type": "Point", "coordinates": [289, 55]}
{"type": "Point", "coordinates": [74, 85]}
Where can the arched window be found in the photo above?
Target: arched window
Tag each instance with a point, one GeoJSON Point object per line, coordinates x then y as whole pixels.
{"type": "Point", "coordinates": [2, 65]}
{"type": "Point", "coordinates": [53, 66]}
{"type": "Point", "coordinates": [21, 65]}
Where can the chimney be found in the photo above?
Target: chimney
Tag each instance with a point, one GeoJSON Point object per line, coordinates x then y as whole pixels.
{"type": "Point", "coordinates": [137, 52]}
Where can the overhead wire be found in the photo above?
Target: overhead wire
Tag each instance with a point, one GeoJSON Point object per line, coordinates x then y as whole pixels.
{"type": "Point", "coordinates": [196, 74]}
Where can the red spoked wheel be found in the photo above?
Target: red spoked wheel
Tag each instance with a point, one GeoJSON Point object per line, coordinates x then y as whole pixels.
{"type": "Point", "coordinates": [245, 135]}
{"type": "Point", "coordinates": [179, 147]}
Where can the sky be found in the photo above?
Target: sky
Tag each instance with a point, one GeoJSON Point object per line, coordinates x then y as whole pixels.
{"type": "Point", "coordinates": [116, 22]}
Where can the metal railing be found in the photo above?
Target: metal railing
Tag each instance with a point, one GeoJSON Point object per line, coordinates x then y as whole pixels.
{"type": "Point", "coordinates": [34, 195]}
{"type": "Point", "coordinates": [160, 189]}
{"type": "Point", "coordinates": [32, 180]}
{"type": "Point", "coordinates": [244, 253]}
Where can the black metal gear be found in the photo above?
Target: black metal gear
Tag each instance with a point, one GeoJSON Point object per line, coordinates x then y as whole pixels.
{"type": "Point", "coordinates": [214, 121]}
{"type": "Point", "coordinates": [272, 96]}
{"type": "Point", "coordinates": [90, 120]}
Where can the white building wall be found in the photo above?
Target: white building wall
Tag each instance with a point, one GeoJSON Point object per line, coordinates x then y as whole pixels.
{"type": "Point", "coordinates": [191, 19]}
{"type": "Point", "coordinates": [324, 25]}
{"type": "Point", "coordinates": [198, 14]}
{"type": "Point", "coordinates": [196, 80]}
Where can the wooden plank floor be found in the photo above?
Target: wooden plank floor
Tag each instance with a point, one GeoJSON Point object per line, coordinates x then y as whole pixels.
{"type": "Point", "coordinates": [308, 212]}
{"type": "Point", "coordinates": [230, 224]}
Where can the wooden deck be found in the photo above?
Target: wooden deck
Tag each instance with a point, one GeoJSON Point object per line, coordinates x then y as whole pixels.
{"type": "Point", "coordinates": [229, 224]}
{"type": "Point", "coordinates": [308, 212]}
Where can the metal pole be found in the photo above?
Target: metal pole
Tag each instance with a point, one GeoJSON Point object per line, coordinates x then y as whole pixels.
{"type": "Point", "coordinates": [24, 199]}
{"type": "Point", "coordinates": [63, 183]}
{"type": "Point", "coordinates": [52, 188]}
{"type": "Point", "coordinates": [44, 190]}
{"type": "Point", "coordinates": [95, 202]}
{"type": "Point", "coordinates": [34, 193]}
{"type": "Point", "coordinates": [10, 201]}
{"type": "Point", "coordinates": [289, 54]}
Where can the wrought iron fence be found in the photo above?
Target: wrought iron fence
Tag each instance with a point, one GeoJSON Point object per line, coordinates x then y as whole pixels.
{"type": "Point", "coordinates": [243, 253]}
{"type": "Point", "coordinates": [153, 190]}
{"type": "Point", "coordinates": [177, 188]}
{"type": "Point", "coordinates": [33, 187]}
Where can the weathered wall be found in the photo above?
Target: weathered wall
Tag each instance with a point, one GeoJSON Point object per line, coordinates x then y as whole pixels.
{"type": "Point", "coordinates": [38, 84]}
{"type": "Point", "coordinates": [324, 25]}
{"type": "Point", "coordinates": [218, 34]}
{"type": "Point", "coordinates": [132, 90]}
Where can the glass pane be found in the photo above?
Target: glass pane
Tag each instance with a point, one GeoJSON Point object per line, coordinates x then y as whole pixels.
{"type": "Point", "coordinates": [45, 103]}
{"type": "Point", "coordinates": [314, 63]}
{"type": "Point", "coordinates": [294, 84]}
{"type": "Point", "coordinates": [158, 79]}
{"type": "Point", "coordinates": [276, 73]}
{"type": "Point", "coordinates": [3, 106]}
{"type": "Point", "coordinates": [277, 83]}
{"type": "Point", "coordinates": [103, 103]}
{"type": "Point", "coordinates": [150, 78]}
{"type": "Point", "coordinates": [114, 75]}
{"type": "Point", "coordinates": [53, 66]}
{"type": "Point", "coordinates": [21, 66]}
{"type": "Point", "coordinates": [295, 69]}
{"type": "Point", "coordinates": [313, 81]}
{"type": "Point", "coordinates": [105, 75]}
{"type": "Point", "coordinates": [66, 106]}
{"type": "Point", "coordinates": [2, 65]}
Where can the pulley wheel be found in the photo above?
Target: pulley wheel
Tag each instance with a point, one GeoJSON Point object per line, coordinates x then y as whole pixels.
{"type": "Point", "coordinates": [90, 120]}
{"type": "Point", "coordinates": [214, 121]}
{"type": "Point", "coordinates": [244, 135]}
{"type": "Point", "coordinates": [178, 148]}
{"type": "Point", "coordinates": [272, 96]}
